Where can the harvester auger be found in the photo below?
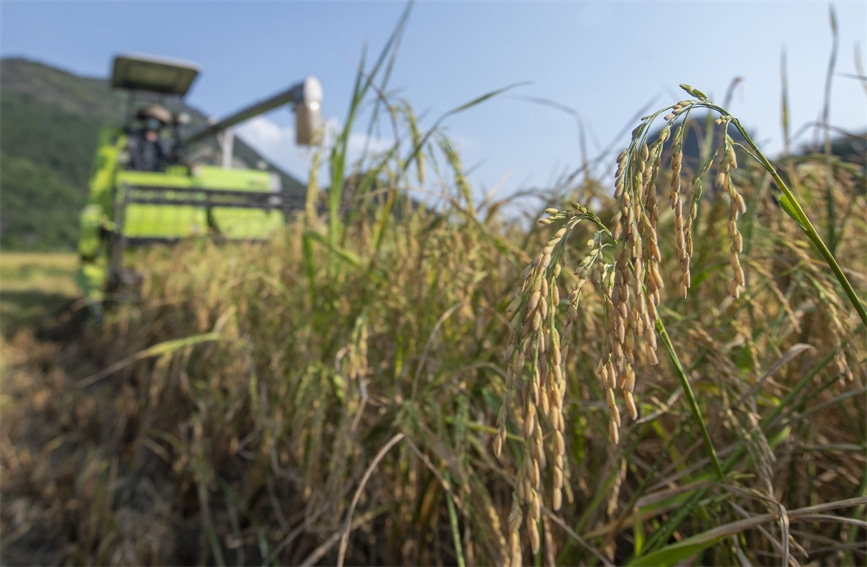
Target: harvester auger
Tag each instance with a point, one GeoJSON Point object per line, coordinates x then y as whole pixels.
{"type": "Point", "coordinates": [143, 190]}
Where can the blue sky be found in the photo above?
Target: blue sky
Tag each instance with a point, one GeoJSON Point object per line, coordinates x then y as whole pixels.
{"type": "Point", "coordinates": [604, 60]}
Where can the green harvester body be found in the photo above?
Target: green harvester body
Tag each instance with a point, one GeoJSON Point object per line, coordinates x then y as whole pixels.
{"type": "Point", "coordinates": [129, 207]}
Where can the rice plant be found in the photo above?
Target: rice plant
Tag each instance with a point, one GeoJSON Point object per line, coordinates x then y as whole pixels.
{"type": "Point", "coordinates": [341, 396]}
{"type": "Point", "coordinates": [624, 266]}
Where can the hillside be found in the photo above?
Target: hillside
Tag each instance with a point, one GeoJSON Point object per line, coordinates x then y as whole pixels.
{"type": "Point", "coordinates": [49, 124]}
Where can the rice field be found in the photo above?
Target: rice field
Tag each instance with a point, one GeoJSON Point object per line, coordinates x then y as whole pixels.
{"type": "Point", "coordinates": [667, 369]}
{"type": "Point", "coordinates": [34, 287]}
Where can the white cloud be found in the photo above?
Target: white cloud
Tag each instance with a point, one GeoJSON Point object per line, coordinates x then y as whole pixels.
{"type": "Point", "coordinates": [265, 135]}
{"type": "Point", "coordinates": [263, 131]}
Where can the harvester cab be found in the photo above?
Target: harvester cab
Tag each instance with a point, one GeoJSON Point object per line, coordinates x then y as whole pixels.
{"type": "Point", "coordinates": [145, 190]}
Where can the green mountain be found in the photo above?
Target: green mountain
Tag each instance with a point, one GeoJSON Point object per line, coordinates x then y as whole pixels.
{"type": "Point", "coordinates": [49, 125]}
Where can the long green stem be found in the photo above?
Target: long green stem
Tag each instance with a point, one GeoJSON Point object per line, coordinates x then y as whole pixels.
{"type": "Point", "coordinates": [453, 520]}
{"type": "Point", "coordinates": [690, 396]}
{"type": "Point", "coordinates": [809, 229]}
{"type": "Point", "coordinates": [793, 208]}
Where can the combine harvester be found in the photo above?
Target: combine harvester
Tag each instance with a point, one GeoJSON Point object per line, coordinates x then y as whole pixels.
{"type": "Point", "coordinates": [143, 190]}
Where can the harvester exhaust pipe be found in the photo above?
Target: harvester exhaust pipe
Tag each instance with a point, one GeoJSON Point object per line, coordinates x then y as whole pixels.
{"type": "Point", "coordinates": [307, 113]}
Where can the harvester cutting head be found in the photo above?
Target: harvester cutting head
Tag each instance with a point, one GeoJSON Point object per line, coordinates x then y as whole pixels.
{"type": "Point", "coordinates": [143, 191]}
